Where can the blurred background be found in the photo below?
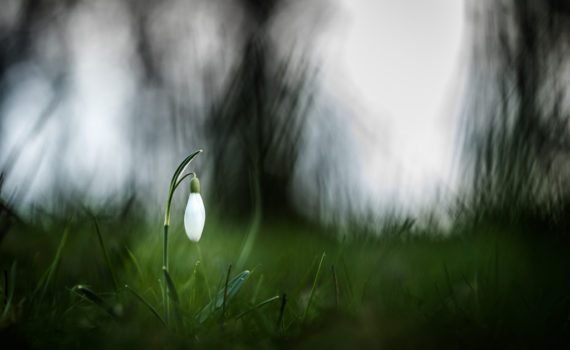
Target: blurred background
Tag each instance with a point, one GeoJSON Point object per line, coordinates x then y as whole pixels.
{"type": "Point", "coordinates": [341, 112]}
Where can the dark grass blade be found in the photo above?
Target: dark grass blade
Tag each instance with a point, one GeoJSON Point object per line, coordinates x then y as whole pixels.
{"type": "Point", "coordinates": [173, 295]}
{"type": "Point", "coordinates": [10, 287]}
{"type": "Point", "coordinates": [226, 290]}
{"type": "Point", "coordinates": [48, 276]}
{"type": "Point", "coordinates": [146, 303]}
{"type": "Point", "coordinates": [305, 278]}
{"type": "Point", "coordinates": [232, 289]}
{"type": "Point", "coordinates": [315, 283]}
{"type": "Point", "coordinates": [281, 310]}
{"type": "Point", "coordinates": [348, 283]}
{"type": "Point", "coordinates": [172, 292]}
{"type": "Point", "coordinates": [106, 254]}
{"type": "Point", "coordinates": [335, 281]}
{"type": "Point", "coordinates": [266, 301]}
{"type": "Point", "coordinates": [256, 291]}
{"type": "Point", "coordinates": [135, 263]}
{"type": "Point", "coordinates": [88, 294]}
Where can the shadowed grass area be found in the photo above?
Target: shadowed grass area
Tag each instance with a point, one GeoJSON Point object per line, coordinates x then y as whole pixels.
{"type": "Point", "coordinates": [481, 287]}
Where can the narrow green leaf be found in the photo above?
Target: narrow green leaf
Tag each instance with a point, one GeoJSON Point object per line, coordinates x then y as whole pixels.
{"type": "Point", "coordinates": [226, 290]}
{"type": "Point", "coordinates": [135, 262]}
{"type": "Point", "coordinates": [193, 282]}
{"type": "Point", "coordinates": [203, 270]}
{"type": "Point", "coordinates": [305, 278]}
{"type": "Point", "coordinates": [254, 226]}
{"type": "Point", "coordinates": [174, 182]}
{"type": "Point", "coordinates": [266, 301]}
{"type": "Point", "coordinates": [182, 166]}
{"type": "Point", "coordinates": [11, 284]}
{"type": "Point", "coordinates": [46, 279]}
{"type": "Point", "coordinates": [315, 283]}
{"type": "Point", "coordinates": [173, 295]}
{"type": "Point", "coordinates": [87, 293]}
{"type": "Point", "coordinates": [172, 292]}
{"type": "Point", "coordinates": [215, 305]}
{"type": "Point", "coordinates": [145, 303]}
{"type": "Point", "coordinates": [256, 292]}
{"type": "Point", "coordinates": [106, 254]}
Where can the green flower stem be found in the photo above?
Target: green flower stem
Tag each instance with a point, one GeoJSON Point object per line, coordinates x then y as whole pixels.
{"type": "Point", "coordinates": [176, 180]}
{"type": "Point", "coordinates": [165, 266]}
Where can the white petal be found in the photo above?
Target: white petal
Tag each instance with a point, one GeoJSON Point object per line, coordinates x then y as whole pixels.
{"type": "Point", "coordinates": [194, 217]}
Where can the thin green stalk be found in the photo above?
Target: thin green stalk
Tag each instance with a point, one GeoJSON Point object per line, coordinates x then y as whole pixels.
{"type": "Point", "coordinates": [281, 310]}
{"type": "Point", "coordinates": [135, 263]}
{"type": "Point", "coordinates": [177, 178]}
{"type": "Point", "coordinates": [173, 294]}
{"type": "Point", "coordinates": [50, 273]}
{"type": "Point", "coordinates": [255, 224]}
{"type": "Point", "coordinates": [165, 268]}
{"type": "Point", "coordinates": [165, 248]}
{"type": "Point", "coordinates": [315, 283]}
{"type": "Point", "coordinates": [146, 303]}
{"type": "Point", "coordinates": [192, 282]}
{"type": "Point", "coordinates": [106, 254]}
{"type": "Point", "coordinates": [304, 279]}
{"type": "Point", "coordinates": [89, 295]}
{"type": "Point", "coordinates": [335, 280]}
{"type": "Point", "coordinates": [204, 273]}
{"type": "Point", "coordinates": [10, 284]}
{"type": "Point", "coordinates": [226, 290]}
{"type": "Point", "coordinates": [256, 292]}
{"type": "Point", "coordinates": [267, 301]}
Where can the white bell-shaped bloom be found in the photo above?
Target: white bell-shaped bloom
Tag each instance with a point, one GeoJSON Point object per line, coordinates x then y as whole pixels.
{"type": "Point", "coordinates": [195, 214]}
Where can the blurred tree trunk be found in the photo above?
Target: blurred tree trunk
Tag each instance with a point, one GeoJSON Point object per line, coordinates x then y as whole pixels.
{"type": "Point", "coordinates": [518, 141]}
{"type": "Point", "coordinates": [257, 124]}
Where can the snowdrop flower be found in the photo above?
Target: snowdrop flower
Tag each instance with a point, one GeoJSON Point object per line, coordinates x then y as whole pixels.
{"type": "Point", "coordinates": [195, 214]}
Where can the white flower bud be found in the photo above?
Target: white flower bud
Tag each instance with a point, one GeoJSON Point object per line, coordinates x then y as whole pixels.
{"type": "Point", "coordinates": [195, 213]}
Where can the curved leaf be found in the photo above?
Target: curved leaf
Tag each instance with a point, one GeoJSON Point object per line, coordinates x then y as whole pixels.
{"type": "Point", "coordinates": [216, 305]}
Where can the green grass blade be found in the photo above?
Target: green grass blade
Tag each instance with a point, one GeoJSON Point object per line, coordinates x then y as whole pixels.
{"type": "Point", "coordinates": [88, 294]}
{"type": "Point", "coordinates": [304, 279]}
{"type": "Point", "coordinates": [226, 290]}
{"type": "Point", "coordinates": [146, 303]}
{"type": "Point", "coordinates": [204, 274]}
{"type": "Point", "coordinates": [173, 295]}
{"type": "Point", "coordinates": [254, 227]}
{"type": "Point", "coordinates": [11, 284]}
{"type": "Point", "coordinates": [172, 292]}
{"type": "Point", "coordinates": [348, 283]}
{"type": "Point", "coordinates": [106, 254]}
{"type": "Point", "coordinates": [281, 311]}
{"type": "Point", "coordinates": [256, 292]}
{"type": "Point", "coordinates": [46, 279]}
{"type": "Point", "coordinates": [232, 289]}
{"type": "Point", "coordinates": [135, 263]}
{"type": "Point", "coordinates": [315, 283]}
{"type": "Point", "coordinates": [335, 281]}
{"type": "Point", "coordinates": [266, 301]}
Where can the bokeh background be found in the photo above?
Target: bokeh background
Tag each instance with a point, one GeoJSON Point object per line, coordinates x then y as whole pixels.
{"type": "Point", "coordinates": [381, 173]}
{"type": "Point", "coordinates": [337, 111]}
{"type": "Point", "coordinates": [341, 111]}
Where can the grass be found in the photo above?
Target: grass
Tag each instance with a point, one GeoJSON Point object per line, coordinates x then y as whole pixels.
{"type": "Point", "coordinates": [479, 288]}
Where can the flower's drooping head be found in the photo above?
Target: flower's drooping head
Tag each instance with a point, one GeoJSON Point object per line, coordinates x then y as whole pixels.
{"type": "Point", "coordinates": [195, 214]}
